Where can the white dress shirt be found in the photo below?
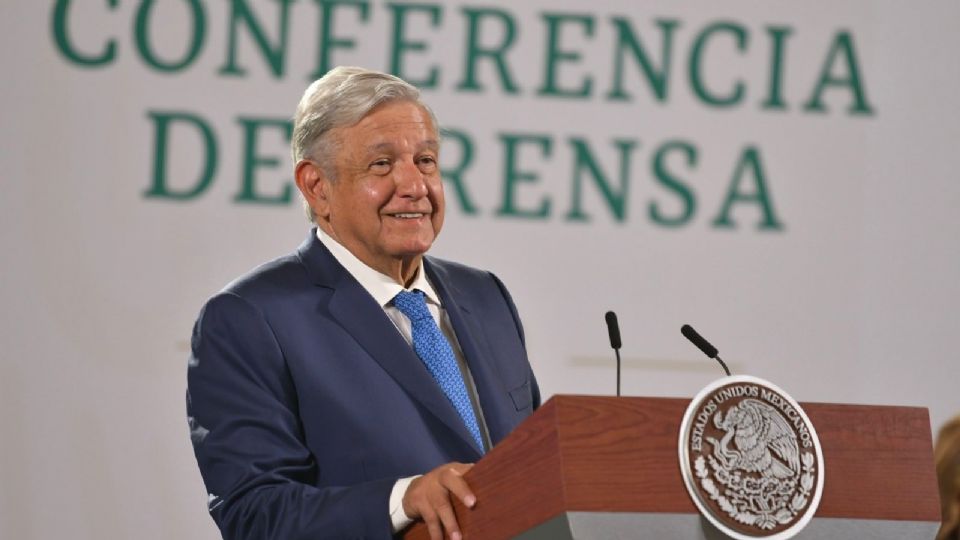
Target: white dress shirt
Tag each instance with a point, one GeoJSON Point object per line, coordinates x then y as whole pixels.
{"type": "Point", "coordinates": [383, 288]}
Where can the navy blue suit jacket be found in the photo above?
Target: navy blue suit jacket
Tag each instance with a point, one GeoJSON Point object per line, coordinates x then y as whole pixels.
{"type": "Point", "coordinates": [306, 404]}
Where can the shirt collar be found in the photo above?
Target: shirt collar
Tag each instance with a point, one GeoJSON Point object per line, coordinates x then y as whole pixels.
{"type": "Point", "coordinates": [380, 286]}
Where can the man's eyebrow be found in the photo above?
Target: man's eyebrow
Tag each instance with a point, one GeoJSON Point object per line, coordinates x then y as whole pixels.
{"type": "Point", "coordinates": [429, 144]}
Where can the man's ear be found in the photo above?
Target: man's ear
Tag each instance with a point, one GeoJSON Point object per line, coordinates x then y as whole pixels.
{"type": "Point", "coordinates": [314, 186]}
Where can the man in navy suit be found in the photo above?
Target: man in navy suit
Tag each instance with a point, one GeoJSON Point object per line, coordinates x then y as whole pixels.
{"type": "Point", "coordinates": [319, 406]}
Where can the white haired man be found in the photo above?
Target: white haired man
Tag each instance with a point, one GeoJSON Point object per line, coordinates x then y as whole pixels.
{"type": "Point", "coordinates": [342, 391]}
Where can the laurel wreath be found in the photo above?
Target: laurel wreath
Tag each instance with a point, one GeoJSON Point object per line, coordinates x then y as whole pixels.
{"type": "Point", "coordinates": [737, 509]}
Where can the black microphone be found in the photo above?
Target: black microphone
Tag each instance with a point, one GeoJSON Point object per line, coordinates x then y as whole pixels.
{"type": "Point", "coordinates": [613, 329]}
{"type": "Point", "coordinates": [704, 345]}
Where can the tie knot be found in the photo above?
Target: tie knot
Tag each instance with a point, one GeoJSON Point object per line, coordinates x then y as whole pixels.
{"type": "Point", "coordinates": [412, 304]}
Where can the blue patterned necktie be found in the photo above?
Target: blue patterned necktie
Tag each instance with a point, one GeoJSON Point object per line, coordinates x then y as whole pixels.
{"type": "Point", "coordinates": [435, 352]}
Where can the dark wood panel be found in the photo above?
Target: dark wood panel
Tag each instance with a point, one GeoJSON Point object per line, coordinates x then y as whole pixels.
{"type": "Point", "coordinates": [621, 454]}
{"type": "Point", "coordinates": [605, 454]}
{"type": "Point", "coordinates": [878, 462]}
{"type": "Point", "coordinates": [518, 484]}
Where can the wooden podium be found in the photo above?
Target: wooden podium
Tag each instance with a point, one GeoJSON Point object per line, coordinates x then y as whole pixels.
{"type": "Point", "coordinates": [607, 468]}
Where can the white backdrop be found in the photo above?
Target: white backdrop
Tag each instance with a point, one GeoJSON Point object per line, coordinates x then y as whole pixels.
{"type": "Point", "coordinates": [849, 293]}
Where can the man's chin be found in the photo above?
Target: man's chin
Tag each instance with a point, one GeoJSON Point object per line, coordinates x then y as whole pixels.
{"type": "Point", "coordinates": [412, 250]}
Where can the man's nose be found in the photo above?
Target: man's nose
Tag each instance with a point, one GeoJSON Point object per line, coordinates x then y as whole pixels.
{"type": "Point", "coordinates": [411, 181]}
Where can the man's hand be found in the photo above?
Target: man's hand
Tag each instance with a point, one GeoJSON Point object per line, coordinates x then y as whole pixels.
{"type": "Point", "coordinates": [428, 498]}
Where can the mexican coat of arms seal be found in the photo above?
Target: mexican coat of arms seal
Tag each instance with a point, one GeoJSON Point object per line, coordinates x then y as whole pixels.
{"type": "Point", "coordinates": [751, 459]}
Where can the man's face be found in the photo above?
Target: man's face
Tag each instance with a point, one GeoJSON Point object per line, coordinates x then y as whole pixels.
{"type": "Point", "coordinates": [386, 203]}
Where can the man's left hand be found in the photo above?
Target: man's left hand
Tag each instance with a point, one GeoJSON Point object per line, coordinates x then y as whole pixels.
{"type": "Point", "coordinates": [428, 498]}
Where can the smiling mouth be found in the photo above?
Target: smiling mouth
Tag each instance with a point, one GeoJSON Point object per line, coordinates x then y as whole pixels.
{"type": "Point", "coordinates": [409, 215]}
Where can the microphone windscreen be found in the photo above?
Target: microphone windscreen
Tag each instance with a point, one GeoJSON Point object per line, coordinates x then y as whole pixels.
{"type": "Point", "coordinates": [695, 338]}
{"type": "Point", "coordinates": [613, 329]}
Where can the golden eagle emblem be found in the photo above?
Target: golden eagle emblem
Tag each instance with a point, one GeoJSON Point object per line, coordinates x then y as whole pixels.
{"type": "Point", "coordinates": [765, 442]}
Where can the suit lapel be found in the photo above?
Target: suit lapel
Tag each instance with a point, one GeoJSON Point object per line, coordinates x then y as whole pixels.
{"type": "Point", "coordinates": [360, 315]}
{"type": "Point", "coordinates": [476, 351]}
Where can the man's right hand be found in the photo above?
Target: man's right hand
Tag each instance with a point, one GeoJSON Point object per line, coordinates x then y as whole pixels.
{"type": "Point", "coordinates": [429, 498]}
